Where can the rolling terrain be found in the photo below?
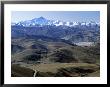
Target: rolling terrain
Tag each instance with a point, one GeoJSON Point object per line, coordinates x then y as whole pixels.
{"type": "Point", "coordinates": [52, 58]}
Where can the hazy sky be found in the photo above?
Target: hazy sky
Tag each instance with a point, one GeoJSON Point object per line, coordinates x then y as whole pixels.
{"type": "Point", "coordinates": [78, 16]}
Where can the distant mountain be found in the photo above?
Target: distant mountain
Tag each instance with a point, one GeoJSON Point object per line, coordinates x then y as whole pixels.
{"type": "Point", "coordinates": [41, 21]}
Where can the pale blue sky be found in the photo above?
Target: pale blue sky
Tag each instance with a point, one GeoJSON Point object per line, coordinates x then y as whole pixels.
{"type": "Point", "coordinates": [78, 16]}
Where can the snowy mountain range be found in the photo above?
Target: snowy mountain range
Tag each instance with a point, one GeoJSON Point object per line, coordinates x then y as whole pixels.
{"type": "Point", "coordinates": [43, 28]}
{"type": "Point", "coordinates": [41, 21]}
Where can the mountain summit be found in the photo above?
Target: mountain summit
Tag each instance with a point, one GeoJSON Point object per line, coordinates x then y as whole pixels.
{"type": "Point", "coordinates": [39, 21]}
{"type": "Point", "coordinates": [41, 18]}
